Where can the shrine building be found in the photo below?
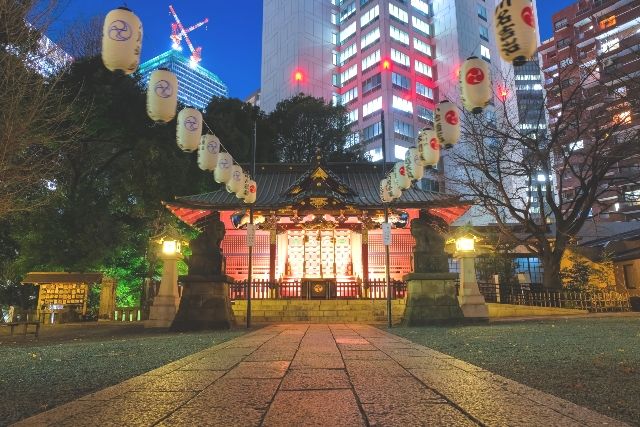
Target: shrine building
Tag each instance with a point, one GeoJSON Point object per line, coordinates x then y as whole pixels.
{"type": "Point", "coordinates": [318, 230]}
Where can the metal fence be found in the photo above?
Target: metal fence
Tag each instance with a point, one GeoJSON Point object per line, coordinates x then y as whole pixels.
{"type": "Point", "coordinates": [321, 289]}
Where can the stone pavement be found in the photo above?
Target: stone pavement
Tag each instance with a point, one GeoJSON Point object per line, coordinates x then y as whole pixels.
{"type": "Point", "coordinates": [319, 375]}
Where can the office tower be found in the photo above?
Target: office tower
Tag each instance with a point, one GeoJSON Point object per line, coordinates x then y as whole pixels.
{"type": "Point", "coordinates": [594, 48]}
{"type": "Point", "coordinates": [196, 85]}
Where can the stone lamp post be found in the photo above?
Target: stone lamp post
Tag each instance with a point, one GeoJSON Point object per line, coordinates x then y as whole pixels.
{"type": "Point", "coordinates": [469, 297]}
{"type": "Point", "coordinates": [165, 304]}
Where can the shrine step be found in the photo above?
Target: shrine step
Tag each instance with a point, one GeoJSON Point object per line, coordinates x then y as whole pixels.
{"type": "Point", "coordinates": [318, 311]}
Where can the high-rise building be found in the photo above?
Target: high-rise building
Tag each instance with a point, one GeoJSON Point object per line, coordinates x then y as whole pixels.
{"type": "Point", "coordinates": [196, 85]}
{"type": "Point", "coordinates": [396, 56]}
{"type": "Point", "coordinates": [593, 58]}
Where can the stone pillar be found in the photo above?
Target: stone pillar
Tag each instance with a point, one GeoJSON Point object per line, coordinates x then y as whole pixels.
{"type": "Point", "coordinates": [165, 304]}
{"type": "Point", "coordinates": [471, 300]}
{"type": "Point", "coordinates": [365, 255]}
{"type": "Point", "coordinates": [431, 299]}
{"type": "Point", "coordinates": [273, 240]}
{"type": "Point", "coordinates": [204, 304]}
{"type": "Point", "coordinates": [107, 299]}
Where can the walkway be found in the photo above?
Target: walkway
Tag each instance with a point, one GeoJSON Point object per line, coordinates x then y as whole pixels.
{"type": "Point", "coordinates": [329, 375]}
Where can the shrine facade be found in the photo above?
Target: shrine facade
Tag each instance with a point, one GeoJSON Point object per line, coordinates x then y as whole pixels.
{"type": "Point", "coordinates": [318, 230]}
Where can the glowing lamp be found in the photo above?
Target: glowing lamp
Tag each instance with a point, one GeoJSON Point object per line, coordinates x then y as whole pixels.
{"type": "Point", "coordinates": [400, 176]}
{"type": "Point", "coordinates": [515, 29]}
{"type": "Point", "coordinates": [189, 129]}
{"type": "Point", "coordinates": [392, 187]}
{"type": "Point", "coordinates": [162, 96]}
{"type": "Point", "coordinates": [170, 247]}
{"type": "Point", "coordinates": [121, 40]}
{"type": "Point", "coordinates": [297, 76]}
{"type": "Point", "coordinates": [429, 147]}
{"type": "Point", "coordinates": [222, 174]}
{"type": "Point", "coordinates": [386, 64]}
{"type": "Point", "coordinates": [384, 191]}
{"type": "Point", "coordinates": [447, 119]}
{"type": "Point", "coordinates": [251, 191]}
{"type": "Point", "coordinates": [465, 244]}
{"type": "Point", "coordinates": [475, 84]}
{"type": "Point", "coordinates": [237, 181]}
{"type": "Point", "coordinates": [208, 152]}
{"type": "Point", "coordinates": [413, 164]}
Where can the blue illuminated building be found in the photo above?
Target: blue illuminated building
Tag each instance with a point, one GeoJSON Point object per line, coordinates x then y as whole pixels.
{"type": "Point", "coordinates": [196, 85]}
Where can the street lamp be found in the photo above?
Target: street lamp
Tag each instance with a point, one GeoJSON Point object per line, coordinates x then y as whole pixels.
{"type": "Point", "coordinates": [469, 297]}
{"type": "Point", "coordinates": [165, 303]}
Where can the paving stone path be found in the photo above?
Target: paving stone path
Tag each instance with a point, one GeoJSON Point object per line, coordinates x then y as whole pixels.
{"type": "Point", "coordinates": [319, 375]}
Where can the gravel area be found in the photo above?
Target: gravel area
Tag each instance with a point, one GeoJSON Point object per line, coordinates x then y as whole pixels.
{"type": "Point", "coordinates": [593, 362]}
{"type": "Point", "coordinates": [71, 361]}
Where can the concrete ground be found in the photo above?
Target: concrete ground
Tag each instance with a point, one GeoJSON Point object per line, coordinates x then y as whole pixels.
{"type": "Point", "coordinates": [325, 375]}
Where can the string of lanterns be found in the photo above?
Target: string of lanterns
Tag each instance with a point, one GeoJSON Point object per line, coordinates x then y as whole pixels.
{"type": "Point", "coordinates": [516, 33]}
{"type": "Point", "coordinates": [121, 47]}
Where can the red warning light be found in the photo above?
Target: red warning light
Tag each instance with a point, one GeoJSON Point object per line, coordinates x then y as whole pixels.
{"type": "Point", "coordinates": [298, 76]}
{"type": "Point", "coordinates": [386, 64]}
{"type": "Point", "coordinates": [503, 92]}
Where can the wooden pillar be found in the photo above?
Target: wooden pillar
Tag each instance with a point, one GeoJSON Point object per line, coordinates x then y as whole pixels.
{"type": "Point", "coordinates": [365, 254]}
{"type": "Point", "coordinates": [273, 239]}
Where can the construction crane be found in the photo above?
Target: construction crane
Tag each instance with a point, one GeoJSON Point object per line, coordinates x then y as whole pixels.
{"type": "Point", "coordinates": [178, 32]}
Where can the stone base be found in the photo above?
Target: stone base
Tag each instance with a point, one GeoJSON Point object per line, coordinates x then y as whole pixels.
{"type": "Point", "coordinates": [431, 299]}
{"type": "Point", "coordinates": [204, 304]}
{"type": "Point", "coordinates": [162, 312]}
{"type": "Point", "coordinates": [474, 307]}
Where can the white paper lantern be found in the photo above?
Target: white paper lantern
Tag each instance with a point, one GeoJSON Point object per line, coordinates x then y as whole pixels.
{"type": "Point", "coordinates": [515, 29]}
{"type": "Point", "coordinates": [429, 147]}
{"type": "Point", "coordinates": [222, 174]}
{"type": "Point", "coordinates": [384, 191]}
{"type": "Point", "coordinates": [475, 84]}
{"type": "Point", "coordinates": [162, 96]}
{"type": "Point", "coordinates": [392, 187]}
{"type": "Point", "coordinates": [413, 164]}
{"type": "Point", "coordinates": [236, 182]}
{"type": "Point", "coordinates": [399, 175]}
{"type": "Point", "coordinates": [208, 152]}
{"type": "Point", "coordinates": [189, 129]}
{"type": "Point", "coordinates": [447, 123]}
{"type": "Point", "coordinates": [121, 40]}
{"type": "Point", "coordinates": [252, 192]}
{"type": "Point", "coordinates": [243, 191]}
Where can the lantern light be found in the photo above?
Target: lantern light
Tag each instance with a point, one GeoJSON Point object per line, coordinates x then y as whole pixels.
{"type": "Point", "coordinates": [413, 164]}
{"type": "Point", "coordinates": [429, 147]}
{"type": "Point", "coordinates": [475, 84]}
{"type": "Point", "coordinates": [400, 177]}
{"type": "Point", "coordinates": [252, 192]}
{"type": "Point", "coordinates": [121, 41]}
{"type": "Point", "coordinates": [189, 129]}
{"type": "Point", "coordinates": [208, 152]}
{"type": "Point", "coordinates": [465, 244]}
{"type": "Point", "coordinates": [392, 187]}
{"type": "Point", "coordinates": [384, 191]}
{"type": "Point", "coordinates": [236, 182]}
{"type": "Point", "coordinates": [244, 187]}
{"type": "Point", "coordinates": [447, 120]}
{"type": "Point", "coordinates": [162, 96]}
{"type": "Point", "coordinates": [170, 247]}
{"type": "Point", "coordinates": [222, 174]}
{"type": "Point", "coordinates": [515, 30]}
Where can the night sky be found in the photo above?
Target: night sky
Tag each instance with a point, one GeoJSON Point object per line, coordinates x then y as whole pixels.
{"type": "Point", "coordinates": [232, 40]}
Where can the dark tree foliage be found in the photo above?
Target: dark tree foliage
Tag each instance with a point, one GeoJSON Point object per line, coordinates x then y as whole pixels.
{"type": "Point", "coordinates": [305, 125]}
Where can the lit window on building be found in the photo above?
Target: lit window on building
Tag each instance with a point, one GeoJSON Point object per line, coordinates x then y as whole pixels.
{"type": "Point", "coordinates": [371, 61]}
{"type": "Point", "coordinates": [485, 52]}
{"type": "Point", "coordinates": [399, 152]}
{"type": "Point", "coordinates": [402, 104]}
{"type": "Point", "coordinates": [421, 46]}
{"type": "Point", "coordinates": [369, 16]}
{"type": "Point", "coordinates": [399, 35]}
{"type": "Point", "coordinates": [400, 58]}
{"type": "Point", "coordinates": [370, 38]}
{"type": "Point", "coordinates": [423, 90]}
{"type": "Point", "coordinates": [423, 68]}
{"type": "Point", "coordinates": [421, 5]}
{"type": "Point", "coordinates": [375, 154]}
{"type": "Point", "coordinates": [400, 82]}
{"type": "Point", "coordinates": [348, 12]}
{"type": "Point", "coordinates": [347, 33]}
{"type": "Point", "coordinates": [398, 13]}
{"type": "Point", "coordinates": [372, 106]}
{"type": "Point", "coordinates": [421, 25]}
{"type": "Point", "coordinates": [347, 53]}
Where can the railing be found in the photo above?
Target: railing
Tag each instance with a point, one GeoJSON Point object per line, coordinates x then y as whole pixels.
{"type": "Point", "coordinates": [127, 314]}
{"type": "Point", "coordinates": [532, 295]}
{"type": "Point", "coordinates": [328, 289]}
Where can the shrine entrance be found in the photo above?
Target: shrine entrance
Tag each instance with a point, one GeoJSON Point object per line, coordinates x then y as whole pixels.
{"type": "Point", "coordinates": [319, 254]}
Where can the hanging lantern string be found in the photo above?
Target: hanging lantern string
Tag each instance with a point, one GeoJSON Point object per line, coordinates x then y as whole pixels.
{"type": "Point", "coordinates": [222, 146]}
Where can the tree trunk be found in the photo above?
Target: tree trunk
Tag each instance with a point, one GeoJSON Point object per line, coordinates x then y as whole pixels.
{"type": "Point", "coordinates": [551, 275]}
